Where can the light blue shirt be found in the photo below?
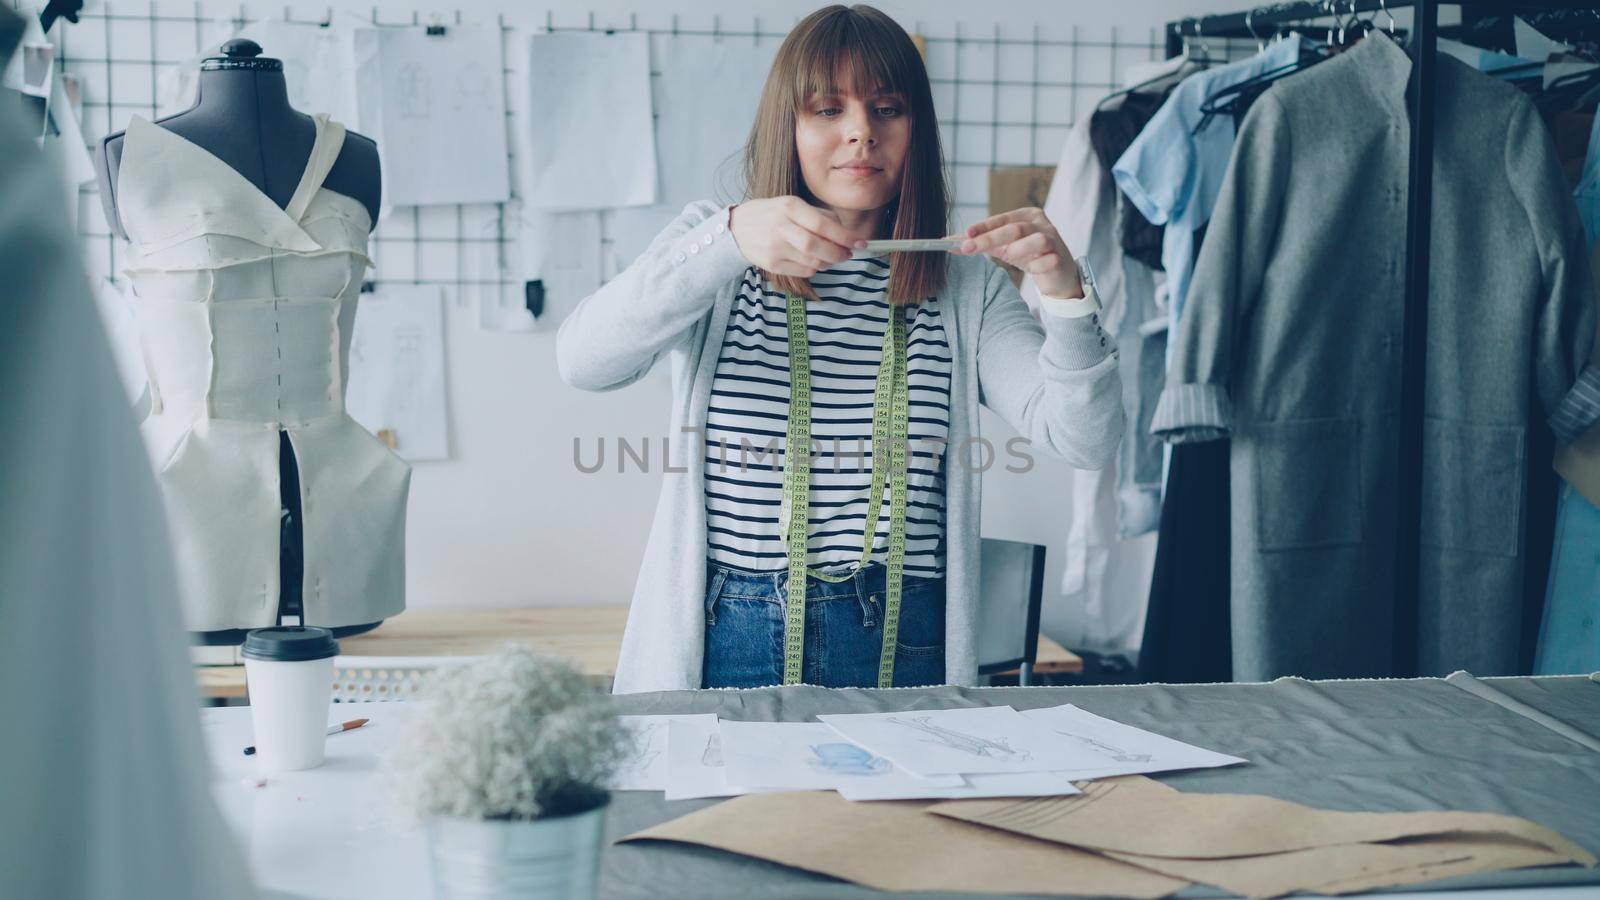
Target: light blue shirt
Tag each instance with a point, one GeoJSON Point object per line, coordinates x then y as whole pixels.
{"type": "Point", "coordinates": [1569, 638]}
{"type": "Point", "coordinates": [1588, 191]}
{"type": "Point", "coordinates": [1173, 175]}
{"type": "Point", "coordinates": [1580, 409]}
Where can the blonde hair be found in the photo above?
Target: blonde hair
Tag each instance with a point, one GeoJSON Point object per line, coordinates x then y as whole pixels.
{"type": "Point", "coordinates": [871, 53]}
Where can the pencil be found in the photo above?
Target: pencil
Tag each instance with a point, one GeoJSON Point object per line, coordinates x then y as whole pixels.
{"type": "Point", "coordinates": [332, 729]}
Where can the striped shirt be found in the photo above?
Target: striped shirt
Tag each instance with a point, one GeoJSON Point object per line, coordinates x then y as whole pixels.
{"type": "Point", "coordinates": [748, 418]}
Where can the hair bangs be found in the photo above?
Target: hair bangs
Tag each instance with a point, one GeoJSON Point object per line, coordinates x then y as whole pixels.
{"type": "Point", "coordinates": [861, 52]}
{"type": "Point", "coordinates": [844, 56]}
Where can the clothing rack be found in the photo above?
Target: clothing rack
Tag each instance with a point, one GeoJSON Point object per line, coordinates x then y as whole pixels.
{"type": "Point", "coordinates": [1258, 24]}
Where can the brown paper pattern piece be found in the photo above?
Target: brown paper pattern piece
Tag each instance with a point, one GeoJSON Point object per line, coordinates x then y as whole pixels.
{"type": "Point", "coordinates": [1138, 815]}
{"type": "Point", "coordinates": [897, 846]}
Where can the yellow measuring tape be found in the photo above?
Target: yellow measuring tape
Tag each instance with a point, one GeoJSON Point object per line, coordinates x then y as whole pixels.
{"type": "Point", "coordinates": [890, 426]}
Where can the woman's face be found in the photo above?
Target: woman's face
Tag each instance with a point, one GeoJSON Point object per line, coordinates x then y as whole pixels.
{"type": "Point", "coordinates": [852, 149]}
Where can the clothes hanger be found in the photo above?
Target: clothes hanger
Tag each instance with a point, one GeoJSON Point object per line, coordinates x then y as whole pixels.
{"type": "Point", "coordinates": [1187, 56]}
{"type": "Point", "coordinates": [1570, 92]}
{"type": "Point", "coordinates": [1205, 56]}
{"type": "Point", "coordinates": [1235, 99]}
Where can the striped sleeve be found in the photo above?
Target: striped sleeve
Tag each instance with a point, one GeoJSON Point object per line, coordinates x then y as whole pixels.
{"type": "Point", "coordinates": [1579, 409]}
{"type": "Point", "coordinates": [1192, 414]}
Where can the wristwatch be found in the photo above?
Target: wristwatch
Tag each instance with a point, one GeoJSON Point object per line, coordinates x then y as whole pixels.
{"type": "Point", "coordinates": [1088, 304]}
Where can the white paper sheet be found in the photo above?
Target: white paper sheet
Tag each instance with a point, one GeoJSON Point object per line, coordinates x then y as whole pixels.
{"type": "Point", "coordinates": [695, 763]}
{"type": "Point", "coordinates": [980, 740]}
{"type": "Point", "coordinates": [559, 250]}
{"type": "Point", "coordinates": [318, 65]}
{"type": "Point", "coordinates": [1124, 749]}
{"type": "Point", "coordinates": [31, 69]}
{"type": "Point", "coordinates": [65, 142]}
{"type": "Point", "coordinates": [702, 122]}
{"type": "Point", "coordinates": [645, 768]}
{"type": "Point", "coordinates": [122, 330]}
{"type": "Point", "coordinates": [1531, 43]}
{"type": "Point", "coordinates": [32, 72]}
{"type": "Point", "coordinates": [397, 369]}
{"type": "Point", "coordinates": [591, 144]}
{"type": "Point", "coordinates": [1024, 784]}
{"type": "Point", "coordinates": [809, 756]}
{"type": "Point", "coordinates": [436, 106]}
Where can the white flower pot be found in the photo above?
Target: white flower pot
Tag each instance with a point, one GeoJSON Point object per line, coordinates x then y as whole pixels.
{"type": "Point", "coordinates": [557, 858]}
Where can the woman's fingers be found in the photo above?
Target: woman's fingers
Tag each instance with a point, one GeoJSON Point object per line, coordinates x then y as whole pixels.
{"type": "Point", "coordinates": [990, 241]}
{"type": "Point", "coordinates": [823, 226]}
{"type": "Point", "coordinates": [1042, 263]}
{"type": "Point", "coordinates": [1006, 218]}
{"type": "Point", "coordinates": [803, 265]}
{"type": "Point", "coordinates": [1020, 252]}
{"type": "Point", "coordinates": [812, 245]}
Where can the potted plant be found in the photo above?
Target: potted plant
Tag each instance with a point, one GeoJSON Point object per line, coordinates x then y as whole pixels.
{"type": "Point", "coordinates": [505, 763]}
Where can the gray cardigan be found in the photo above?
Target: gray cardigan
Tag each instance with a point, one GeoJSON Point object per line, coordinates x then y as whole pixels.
{"type": "Point", "coordinates": [1056, 384]}
{"type": "Point", "coordinates": [1291, 343]}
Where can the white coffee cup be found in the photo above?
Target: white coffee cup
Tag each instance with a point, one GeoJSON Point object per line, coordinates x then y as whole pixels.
{"type": "Point", "coordinates": [289, 674]}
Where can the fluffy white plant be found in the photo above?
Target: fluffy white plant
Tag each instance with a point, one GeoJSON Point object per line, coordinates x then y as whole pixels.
{"type": "Point", "coordinates": [513, 736]}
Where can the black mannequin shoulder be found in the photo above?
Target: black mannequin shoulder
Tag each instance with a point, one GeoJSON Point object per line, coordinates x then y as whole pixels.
{"type": "Point", "coordinates": [357, 172]}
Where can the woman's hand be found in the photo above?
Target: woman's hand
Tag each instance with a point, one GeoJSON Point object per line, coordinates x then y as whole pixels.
{"type": "Point", "coordinates": [1025, 238]}
{"type": "Point", "coordinates": [788, 236]}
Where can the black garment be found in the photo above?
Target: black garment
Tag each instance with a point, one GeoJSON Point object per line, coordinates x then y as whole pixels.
{"type": "Point", "coordinates": [1111, 129]}
{"type": "Point", "coordinates": [291, 540]}
{"type": "Point", "coordinates": [1541, 487]}
{"type": "Point", "coordinates": [1187, 631]}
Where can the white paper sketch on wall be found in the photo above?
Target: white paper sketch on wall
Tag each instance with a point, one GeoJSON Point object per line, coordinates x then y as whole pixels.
{"type": "Point", "coordinates": [435, 103]}
{"type": "Point", "coordinates": [319, 66]}
{"type": "Point", "coordinates": [414, 97]}
{"type": "Point", "coordinates": [589, 137]}
{"type": "Point", "coordinates": [702, 121]}
{"type": "Point", "coordinates": [397, 366]}
{"type": "Point", "coordinates": [560, 251]}
{"type": "Point", "coordinates": [473, 89]}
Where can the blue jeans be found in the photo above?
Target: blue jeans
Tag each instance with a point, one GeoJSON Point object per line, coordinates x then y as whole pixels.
{"type": "Point", "coordinates": [843, 635]}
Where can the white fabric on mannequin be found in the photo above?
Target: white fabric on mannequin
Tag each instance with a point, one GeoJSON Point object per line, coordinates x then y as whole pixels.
{"type": "Point", "coordinates": [106, 789]}
{"type": "Point", "coordinates": [245, 313]}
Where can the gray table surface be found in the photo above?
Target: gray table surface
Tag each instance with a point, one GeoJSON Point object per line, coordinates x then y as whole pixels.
{"type": "Point", "coordinates": [1419, 744]}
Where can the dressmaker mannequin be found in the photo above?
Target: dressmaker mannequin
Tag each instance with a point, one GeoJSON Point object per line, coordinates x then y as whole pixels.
{"type": "Point", "coordinates": [242, 117]}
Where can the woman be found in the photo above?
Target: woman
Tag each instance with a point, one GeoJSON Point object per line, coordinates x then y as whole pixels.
{"type": "Point", "coordinates": [743, 299]}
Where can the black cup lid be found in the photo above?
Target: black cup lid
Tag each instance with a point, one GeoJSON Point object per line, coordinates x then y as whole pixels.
{"type": "Point", "coordinates": [290, 643]}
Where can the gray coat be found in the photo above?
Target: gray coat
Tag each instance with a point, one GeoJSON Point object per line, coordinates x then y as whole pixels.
{"type": "Point", "coordinates": [1291, 343]}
